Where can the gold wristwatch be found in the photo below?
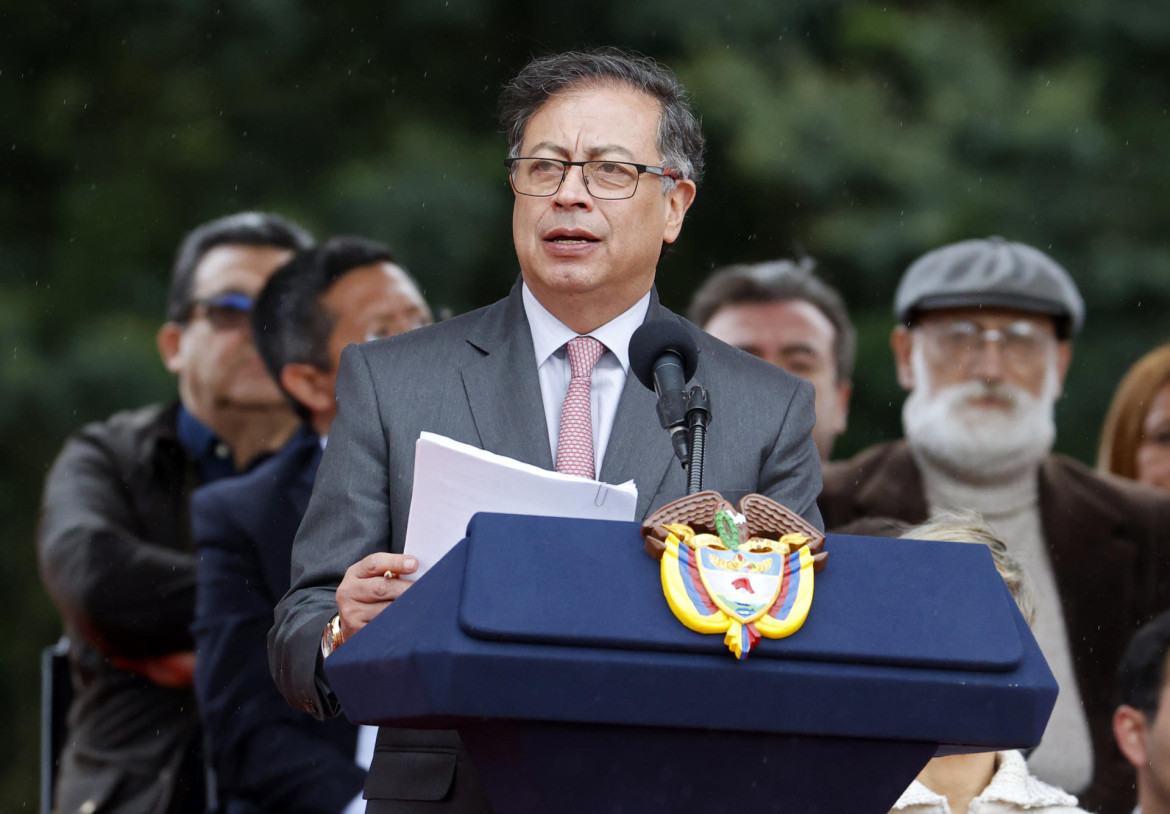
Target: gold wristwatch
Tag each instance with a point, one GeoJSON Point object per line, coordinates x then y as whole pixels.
{"type": "Point", "coordinates": [331, 638]}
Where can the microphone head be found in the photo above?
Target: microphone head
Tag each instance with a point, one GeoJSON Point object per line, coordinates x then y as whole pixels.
{"type": "Point", "coordinates": [656, 337]}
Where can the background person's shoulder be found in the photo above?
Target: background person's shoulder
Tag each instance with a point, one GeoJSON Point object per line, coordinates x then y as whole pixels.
{"type": "Point", "coordinates": [1123, 493]}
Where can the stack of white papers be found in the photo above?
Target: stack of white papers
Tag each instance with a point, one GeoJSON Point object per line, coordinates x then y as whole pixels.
{"type": "Point", "coordinates": [453, 481]}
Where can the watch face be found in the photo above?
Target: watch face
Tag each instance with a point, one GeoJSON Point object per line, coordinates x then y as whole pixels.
{"type": "Point", "coordinates": [330, 636]}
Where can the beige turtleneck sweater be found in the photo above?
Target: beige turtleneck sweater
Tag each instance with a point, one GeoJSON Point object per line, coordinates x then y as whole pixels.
{"type": "Point", "coordinates": [1011, 506]}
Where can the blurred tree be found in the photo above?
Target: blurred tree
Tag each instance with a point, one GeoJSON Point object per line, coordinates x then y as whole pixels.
{"type": "Point", "coordinates": [862, 134]}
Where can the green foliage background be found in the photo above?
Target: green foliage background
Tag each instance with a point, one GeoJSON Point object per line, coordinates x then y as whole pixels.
{"type": "Point", "coordinates": [862, 134]}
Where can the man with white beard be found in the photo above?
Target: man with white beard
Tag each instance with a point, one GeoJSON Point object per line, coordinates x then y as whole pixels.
{"type": "Point", "coordinates": [983, 348]}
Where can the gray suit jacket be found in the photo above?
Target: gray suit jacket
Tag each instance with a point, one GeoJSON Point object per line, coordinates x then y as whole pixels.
{"type": "Point", "coordinates": [474, 379]}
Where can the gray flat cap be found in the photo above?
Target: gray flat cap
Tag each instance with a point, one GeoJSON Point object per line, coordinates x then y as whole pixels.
{"type": "Point", "coordinates": [991, 273]}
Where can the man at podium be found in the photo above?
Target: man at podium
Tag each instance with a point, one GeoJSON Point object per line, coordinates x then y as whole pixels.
{"type": "Point", "coordinates": [604, 159]}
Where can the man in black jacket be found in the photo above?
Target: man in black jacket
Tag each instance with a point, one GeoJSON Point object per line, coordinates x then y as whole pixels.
{"type": "Point", "coordinates": [114, 546]}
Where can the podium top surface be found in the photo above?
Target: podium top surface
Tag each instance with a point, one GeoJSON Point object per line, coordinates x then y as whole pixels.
{"type": "Point", "coordinates": [878, 602]}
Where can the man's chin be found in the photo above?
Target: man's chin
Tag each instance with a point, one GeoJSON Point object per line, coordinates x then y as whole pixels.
{"type": "Point", "coordinates": [566, 278]}
{"type": "Point", "coordinates": [252, 403]}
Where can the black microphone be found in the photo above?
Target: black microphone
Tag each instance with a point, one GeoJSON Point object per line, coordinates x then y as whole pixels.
{"type": "Point", "coordinates": [663, 355]}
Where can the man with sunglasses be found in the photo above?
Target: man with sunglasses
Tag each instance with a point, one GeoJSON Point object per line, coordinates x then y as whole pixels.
{"type": "Point", "coordinates": [605, 154]}
{"type": "Point", "coordinates": [983, 346]}
{"type": "Point", "coordinates": [114, 543]}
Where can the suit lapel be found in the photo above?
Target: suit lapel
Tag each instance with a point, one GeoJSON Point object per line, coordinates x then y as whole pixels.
{"type": "Point", "coordinates": [503, 393]}
{"type": "Point", "coordinates": [1081, 527]}
{"type": "Point", "coordinates": [502, 387]}
{"type": "Point", "coordinates": [636, 442]}
{"type": "Point", "coordinates": [272, 501]}
{"type": "Point", "coordinates": [302, 488]}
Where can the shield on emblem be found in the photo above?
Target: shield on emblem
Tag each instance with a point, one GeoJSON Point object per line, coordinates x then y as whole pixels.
{"type": "Point", "coordinates": [742, 584]}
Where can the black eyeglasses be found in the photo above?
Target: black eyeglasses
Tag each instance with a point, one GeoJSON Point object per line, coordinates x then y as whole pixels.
{"type": "Point", "coordinates": [229, 310]}
{"type": "Point", "coordinates": [605, 180]}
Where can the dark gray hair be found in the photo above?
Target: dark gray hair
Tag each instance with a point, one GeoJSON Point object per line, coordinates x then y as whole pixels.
{"type": "Point", "coordinates": [241, 229]}
{"type": "Point", "coordinates": [1143, 670]}
{"type": "Point", "coordinates": [779, 281]}
{"type": "Point", "coordinates": [680, 139]}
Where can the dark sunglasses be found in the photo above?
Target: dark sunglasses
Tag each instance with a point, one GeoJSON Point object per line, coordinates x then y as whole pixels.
{"type": "Point", "coordinates": [227, 311]}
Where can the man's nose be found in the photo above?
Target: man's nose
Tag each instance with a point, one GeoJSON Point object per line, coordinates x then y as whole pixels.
{"type": "Point", "coordinates": [574, 191]}
{"type": "Point", "coordinates": [989, 361]}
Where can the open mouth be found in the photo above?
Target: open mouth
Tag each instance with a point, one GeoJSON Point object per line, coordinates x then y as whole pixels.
{"type": "Point", "coordinates": [570, 238]}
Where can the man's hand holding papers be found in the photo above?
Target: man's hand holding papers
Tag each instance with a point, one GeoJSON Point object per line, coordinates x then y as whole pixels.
{"type": "Point", "coordinates": [452, 482]}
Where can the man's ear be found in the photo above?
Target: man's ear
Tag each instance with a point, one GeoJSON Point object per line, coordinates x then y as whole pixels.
{"type": "Point", "coordinates": [309, 385]}
{"type": "Point", "coordinates": [1129, 730]}
{"type": "Point", "coordinates": [902, 343]}
{"type": "Point", "coordinates": [678, 201]}
{"type": "Point", "coordinates": [169, 340]}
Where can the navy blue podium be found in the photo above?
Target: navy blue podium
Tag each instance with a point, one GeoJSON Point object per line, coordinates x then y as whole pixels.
{"type": "Point", "coordinates": [548, 644]}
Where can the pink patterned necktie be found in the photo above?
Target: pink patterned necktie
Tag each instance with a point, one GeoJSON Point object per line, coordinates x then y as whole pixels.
{"type": "Point", "coordinates": [575, 444]}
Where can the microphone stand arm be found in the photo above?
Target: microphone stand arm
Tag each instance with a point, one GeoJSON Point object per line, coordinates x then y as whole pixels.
{"type": "Point", "coordinates": [698, 417]}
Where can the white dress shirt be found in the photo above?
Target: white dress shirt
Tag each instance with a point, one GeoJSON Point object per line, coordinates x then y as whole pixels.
{"type": "Point", "coordinates": [549, 336]}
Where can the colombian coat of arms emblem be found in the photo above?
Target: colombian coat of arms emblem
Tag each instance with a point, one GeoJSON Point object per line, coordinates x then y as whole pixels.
{"type": "Point", "coordinates": [744, 573]}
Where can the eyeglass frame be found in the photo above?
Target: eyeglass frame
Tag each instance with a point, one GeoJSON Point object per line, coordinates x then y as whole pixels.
{"type": "Point", "coordinates": [979, 338]}
{"type": "Point", "coordinates": [215, 309]}
{"type": "Point", "coordinates": [662, 172]}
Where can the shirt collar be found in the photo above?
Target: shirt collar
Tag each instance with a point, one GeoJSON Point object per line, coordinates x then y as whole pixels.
{"type": "Point", "coordinates": [212, 457]}
{"type": "Point", "coordinates": [916, 794]}
{"type": "Point", "coordinates": [195, 436]}
{"type": "Point", "coordinates": [1011, 784]}
{"type": "Point", "coordinates": [549, 334]}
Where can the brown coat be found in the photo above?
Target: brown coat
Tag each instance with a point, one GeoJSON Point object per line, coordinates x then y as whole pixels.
{"type": "Point", "coordinates": [1109, 540]}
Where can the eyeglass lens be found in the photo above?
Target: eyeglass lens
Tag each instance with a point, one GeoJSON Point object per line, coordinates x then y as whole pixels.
{"type": "Point", "coordinates": [228, 310]}
{"type": "Point", "coordinates": [608, 180]}
{"type": "Point", "coordinates": [1020, 342]}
